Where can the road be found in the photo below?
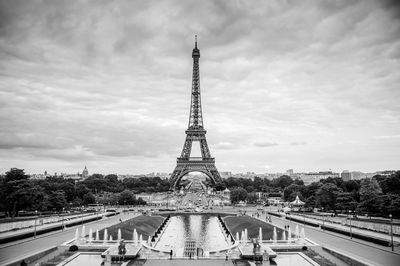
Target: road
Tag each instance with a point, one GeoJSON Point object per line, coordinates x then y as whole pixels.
{"type": "Point", "coordinates": [21, 249]}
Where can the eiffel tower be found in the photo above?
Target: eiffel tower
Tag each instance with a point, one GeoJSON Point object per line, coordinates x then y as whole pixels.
{"type": "Point", "coordinates": [195, 132]}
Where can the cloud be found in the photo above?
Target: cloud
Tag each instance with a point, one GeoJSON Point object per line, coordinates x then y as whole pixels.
{"type": "Point", "coordinates": [109, 81]}
{"type": "Point", "coordinates": [296, 143]}
{"type": "Point", "coordinates": [387, 137]}
{"type": "Point", "coordinates": [265, 144]}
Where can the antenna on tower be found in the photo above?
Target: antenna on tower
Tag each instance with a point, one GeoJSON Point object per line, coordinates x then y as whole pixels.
{"type": "Point", "coordinates": [195, 41]}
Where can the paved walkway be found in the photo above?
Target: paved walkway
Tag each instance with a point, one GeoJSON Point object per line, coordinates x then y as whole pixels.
{"type": "Point", "coordinates": [378, 235]}
{"type": "Point", "coordinates": [22, 249]}
{"type": "Point", "coordinates": [27, 230]}
{"type": "Point", "coordinates": [364, 251]}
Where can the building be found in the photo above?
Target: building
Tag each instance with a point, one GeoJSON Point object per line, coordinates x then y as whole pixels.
{"type": "Point", "coordinates": [289, 172]}
{"type": "Point", "coordinates": [345, 175]}
{"type": "Point", "coordinates": [85, 172]}
{"type": "Point", "coordinates": [311, 177]}
{"type": "Point", "coordinates": [356, 175]}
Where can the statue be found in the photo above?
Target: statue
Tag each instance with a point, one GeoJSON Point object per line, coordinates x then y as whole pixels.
{"type": "Point", "coordinates": [122, 249]}
{"type": "Point", "coordinates": [107, 261]}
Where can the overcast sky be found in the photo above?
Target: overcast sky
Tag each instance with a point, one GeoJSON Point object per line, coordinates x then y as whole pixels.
{"type": "Point", "coordinates": [308, 85]}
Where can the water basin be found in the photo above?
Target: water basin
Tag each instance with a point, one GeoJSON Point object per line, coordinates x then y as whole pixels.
{"type": "Point", "coordinates": [202, 228]}
{"type": "Point", "coordinates": [284, 259]}
{"type": "Point", "coordinates": [85, 259]}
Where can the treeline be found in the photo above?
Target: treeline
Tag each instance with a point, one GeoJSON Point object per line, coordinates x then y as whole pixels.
{"type": "Point", "coordinates": [19, 192]}
{"type": "Point", "coordinates": [379, 195]}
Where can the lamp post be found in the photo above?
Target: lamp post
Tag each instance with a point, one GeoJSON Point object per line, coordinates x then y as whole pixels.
{"type": "Point", "coordinates": [63, 219]}
{"type": "Point", "coordinates": [323, 223]}
{"type": "Point", "coordinates": [34, 234]}
{"type": "Point", "coordinates": [82, 215]}
{"type": "Point", "coordinates": [391, 232]}
{"type": "Point", "coordinates": [351, 233]}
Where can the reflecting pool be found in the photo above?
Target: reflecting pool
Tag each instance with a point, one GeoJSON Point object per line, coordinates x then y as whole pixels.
{"type": "Point", "coordinates": [293, 259]}
{"type": "Point", "coordinates": [86, 259]}
{"type": "Point", "coordinates": [204, 229]}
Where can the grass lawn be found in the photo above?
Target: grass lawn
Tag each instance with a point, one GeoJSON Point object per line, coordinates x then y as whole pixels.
{"type": "Point", "coordinates": [239, 223]}
{"type": "Point", "coordinates": [318, 258]}
{"type": "Point", "coordinates": [145, 225]}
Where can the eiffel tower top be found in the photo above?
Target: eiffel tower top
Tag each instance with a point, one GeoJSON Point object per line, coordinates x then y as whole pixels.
{"type": "Point", "coordinates": [196, 116]}
{"type": "Point", "coordinates": [196, 51]}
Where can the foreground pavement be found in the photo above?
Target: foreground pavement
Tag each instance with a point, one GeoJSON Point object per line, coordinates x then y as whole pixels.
{"type": "Point", "coordinates": [20, 249]}
{"type": "Point", "coordinates": [371, 254]}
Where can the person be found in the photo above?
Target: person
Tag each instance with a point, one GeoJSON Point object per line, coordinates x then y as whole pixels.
{"type": "Point", "coordinates": [226, 255]}
{"type": "Point", "coordinates": [23, 263]}
{"type": "Point", "coordinates": [170, 254]}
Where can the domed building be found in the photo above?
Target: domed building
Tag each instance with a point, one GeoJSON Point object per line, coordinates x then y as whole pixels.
{"type": "Point", "coordinates": [85, 172]}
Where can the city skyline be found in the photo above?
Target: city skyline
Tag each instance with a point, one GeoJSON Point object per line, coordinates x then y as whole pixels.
{"type": "Point", "coordinates": [306, 85]}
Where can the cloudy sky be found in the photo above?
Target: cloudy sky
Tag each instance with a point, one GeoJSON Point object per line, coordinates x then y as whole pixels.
{"type": "Point", "coordinates": [308, 85]}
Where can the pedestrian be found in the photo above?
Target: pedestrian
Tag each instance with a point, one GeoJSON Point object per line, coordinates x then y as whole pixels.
{"type": "Point", "coordinates": [226, 255]}
{"type": "Point", "coordinates": [170, 254]}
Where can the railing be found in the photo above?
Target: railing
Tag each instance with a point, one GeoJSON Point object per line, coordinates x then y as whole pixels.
{"type": "Point", "coordinates": [195, 159]}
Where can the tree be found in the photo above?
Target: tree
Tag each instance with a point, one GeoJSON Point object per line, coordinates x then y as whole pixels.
{"type": "Point", "coordinates": [345, 201]}
{"type": "Point", "coordinates": [370, 201]}
{"type": "Point", "coordinates": [238, 194]}
{"type": "Point", "coordinates": [126, 197]}
{"type": "Point", "coordinates": [88, 198]}
{"type": "Point", "coordinates": [258, 183]}
{"type": "Point", "coordinates": [250, 189]}
{"type": "Point", "coordinates": [220, 186]}
{"type": "Point", "coordinates": [290, 191]}
{"type": "Point", "coordinates": [57, 200]}
{"type": "Point", "coordinates": [283, 181]}
{"type": "Point", "coordinates": [389, 184]}
{"type": "Point", "coordinates": [15, 184]}
{"type": "Point", "coordinates": [326, 195]}
{"type": "Point", "coordinates": [394, 207]}
{"type": "Point", "coordinates": [311, 202]}
{"type": "Point", "coordinates": [252, 198]}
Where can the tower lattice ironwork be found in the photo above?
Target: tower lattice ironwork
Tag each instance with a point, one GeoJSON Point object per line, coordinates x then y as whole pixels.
{"type": "Point", "coordinates": [195, 132]}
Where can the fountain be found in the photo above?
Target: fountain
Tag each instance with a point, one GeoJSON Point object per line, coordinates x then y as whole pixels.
{"type": "Point", "coordinates": [243, 237]}
{"type": "Point", "coordinates": [97, 235]}
{"type": "Point", "coordinates": [119, 235]}
{"type": "Point", "coordinates": [140, 239]}
{"type": "Point", "coordinates": [111, 239]}
{"type": "Point", "coordinates": [135, 237]}
{"type": "Point", "coordinates": [237, 237]}
{"type": "Point", "coordinates": [83, 233]}
{"type": "Point", "coordinates": [289, 235]}
{"type": "Point", "coordinates": [284, 235]}
{"type": "Point", "coordinates": [77, 234]}
{"type": "Point", "coordinates": [296, 231]}
{"type": "Point", "coordinates": [105, 236]}
{"type": "Point", "coordinates": [274, 235]}
{"type": "Point", "coordinates": [260, 234]}
{"type": "Point", "coordinates": [245, 234]}
{"type": "Point", "coordinates": [90, 235]}
{"type": "Point", "coordinates": [302, 234]}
